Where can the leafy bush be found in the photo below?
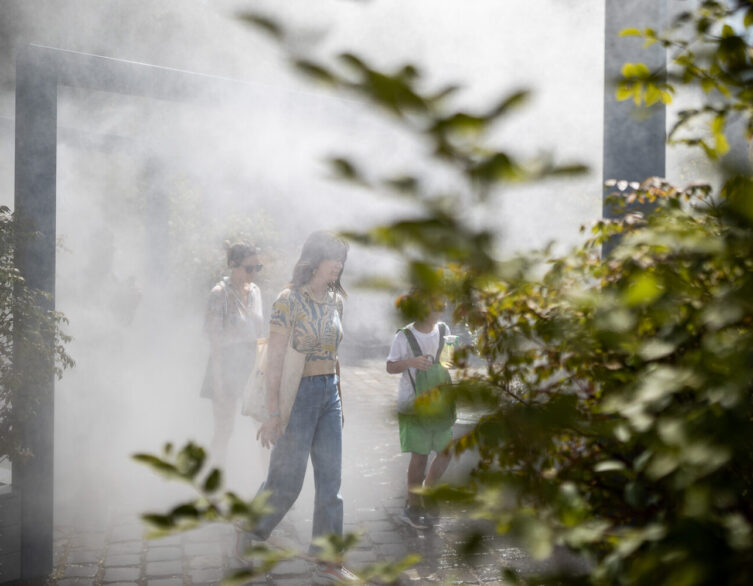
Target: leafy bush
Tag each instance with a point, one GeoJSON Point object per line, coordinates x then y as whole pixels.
{"type": "Point", "coordinates": [19, 304]}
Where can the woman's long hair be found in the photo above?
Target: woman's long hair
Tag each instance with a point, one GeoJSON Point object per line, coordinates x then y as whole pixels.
{"type": "Point", "coordinates": [318, 247]}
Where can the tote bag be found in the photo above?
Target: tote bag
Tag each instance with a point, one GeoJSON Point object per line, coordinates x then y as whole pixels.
{"type": "Point", "coordinates": [254, 396]}
{"type": "Point", "coordinates": [254, 404]}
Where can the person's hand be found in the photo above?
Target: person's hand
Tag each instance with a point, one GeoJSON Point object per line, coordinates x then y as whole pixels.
{"type": "Point", "coordinates": [269, 432]}
{"type": "Point", "coordinates": [420, 362]}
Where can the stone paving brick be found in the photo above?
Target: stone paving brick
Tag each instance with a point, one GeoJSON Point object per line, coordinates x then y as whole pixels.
{"type": "Point", "coordinates": [127, 533]}
{"type": "Point", "coordinates": [291, 567]}
{"type": "Point", "coordinates": [369, 514]}
{"type": "Point", "coordinates": [290, 581]}
{"type": "Point", "coordinates": [90, 540]}
{"type": "Point", "coordinates": [393, 551]}
{"type": "Point", "coordinates": [163, 554]}
{"type": "Point", "coordinates": [81, 571]}
{"type": "Point", "coordinates": [380, 525]}
{"type": "Point", "coordinates": [122, 559]}
{"type": "Point", "coordinates": [205, 561]}
{"type": "Point", "coordinates": [212, 548]}
{"type": "Point", "coordinates": [84, 556]}
{"type": "Point", "coordinates": [121, 574]}
{"type": "Point", "coordinates": [165, 582]}
{"type": "Point", "coordinates": [171, 568]}
{"type": "Point", "coordinates": [169, 540]}
{"type": "Point", "coordinates": [374, 498]}
{"type": "Point", "coordinates": [361, 557]}
{"type": "Point", "coordinates": [126, 547]}
{"type": "Point", "coordinates": [206, 575]}
{"type": "Point", "coordinates": [380, 537]}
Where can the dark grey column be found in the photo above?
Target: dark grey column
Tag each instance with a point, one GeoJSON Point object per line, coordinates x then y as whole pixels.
{"type": "Point", "coordinates": [634, 139]}
{"type": "Point", "coordinates": [36, 163]}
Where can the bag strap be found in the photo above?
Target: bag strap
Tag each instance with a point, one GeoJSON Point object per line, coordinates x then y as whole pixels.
{"type": "Point", "coordinates": [223, 286]}
{"type": "Point", "coordinates": [413, 343]}
{"type": "Point", "coordinates": [442, 331]}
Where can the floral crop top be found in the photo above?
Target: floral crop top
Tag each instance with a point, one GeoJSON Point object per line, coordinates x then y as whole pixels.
{"type": "Point", "coordinates": [316, 327]}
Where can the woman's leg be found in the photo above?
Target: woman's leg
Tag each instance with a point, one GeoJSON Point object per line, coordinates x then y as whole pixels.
{"type": "Point", "coordinates": [287, 463]}
{"type": "Point", "coordinates": [223, 410]}
{"type": "Point", "coordinates": [326, 458]}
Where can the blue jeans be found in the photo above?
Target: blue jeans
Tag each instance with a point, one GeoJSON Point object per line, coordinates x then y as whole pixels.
{"type": "Point", "coordinates": [314, 429]}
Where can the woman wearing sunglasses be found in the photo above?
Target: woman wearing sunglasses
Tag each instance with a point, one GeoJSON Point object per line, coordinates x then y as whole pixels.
{"type": "Point", "coordinates": [233, 323]}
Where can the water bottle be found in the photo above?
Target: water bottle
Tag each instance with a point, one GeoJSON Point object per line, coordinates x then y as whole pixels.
{"type": "Point", "coordinates": [447, 355]}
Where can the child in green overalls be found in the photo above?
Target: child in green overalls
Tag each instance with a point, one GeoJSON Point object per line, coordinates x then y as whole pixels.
{"type": "Point", "coordinates": [416, 349]}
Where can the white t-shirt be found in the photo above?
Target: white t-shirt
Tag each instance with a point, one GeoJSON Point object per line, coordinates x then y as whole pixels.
{"type": "Point", "coordinates": [401, 350]}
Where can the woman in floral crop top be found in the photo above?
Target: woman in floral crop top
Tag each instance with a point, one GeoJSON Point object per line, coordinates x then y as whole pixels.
{"type": "Point", "coordinates": [308, 314]}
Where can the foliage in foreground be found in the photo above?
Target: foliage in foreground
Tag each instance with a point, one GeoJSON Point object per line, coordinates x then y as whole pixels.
{"type": "Point", "coordinates": [213, 505]}
{"type": "Point", "coordinates": [19, 304]}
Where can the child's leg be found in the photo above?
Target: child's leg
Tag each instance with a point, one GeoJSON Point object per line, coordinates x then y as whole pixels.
{"type": "Point", "coordinates": [437, 468]}
{"type": "Point", "coordinates": [416, 474]}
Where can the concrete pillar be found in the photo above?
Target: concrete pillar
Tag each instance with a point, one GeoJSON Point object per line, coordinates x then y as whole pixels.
{"type": "Point", "coordinates": [35, 175]}
{"type": "Point", "coordinates": [634, 139]}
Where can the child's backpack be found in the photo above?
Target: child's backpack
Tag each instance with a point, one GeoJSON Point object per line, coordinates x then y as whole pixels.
{"type": "Point", "coordinates": [439, 412]}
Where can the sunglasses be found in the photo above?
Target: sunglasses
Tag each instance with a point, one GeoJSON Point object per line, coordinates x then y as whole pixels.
{"type": "Point", "coordinates": [251, 268]}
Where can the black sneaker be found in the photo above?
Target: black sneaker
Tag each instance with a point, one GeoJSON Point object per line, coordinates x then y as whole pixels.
{"type": "Point", "coordinates": [412, 517]}
{"type": "Point", "coordinates": [430, 512]}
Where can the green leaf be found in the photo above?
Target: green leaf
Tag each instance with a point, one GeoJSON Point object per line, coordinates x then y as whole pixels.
{"type": "Point", "coordinates": [188, 510]}
{"type": "Point", "coordinates": [213, 481]}
{"type": "Point", "coordinates": [346, 170]}
{"type": "Point", "coordinates": [510, 102]}
{"type": "Point", "coordinates": [624, 91]}
{"type": "Point", "coordinates": [721, 146]}
{"type": "Point", "coordinates": [403, 184]}
{"type": "Point", "coordinates": [630, 32]}
{"type": "Point", "coordinates": [748, 20]}
{"type": "Point", "coordinates": [315, 72]}
{"type": "Point", "coordinates": [159, 521]}
{"type": "Point", "coordinates": [653, 94]}
{"type": "Point", "coordinates": [636, 70]}
{"type": "Point", "coordinates": [643, 289]}
{"type": "Point", "coordinates": [265, 23]}
{"type": "Point", "coordinates": [497, 167]}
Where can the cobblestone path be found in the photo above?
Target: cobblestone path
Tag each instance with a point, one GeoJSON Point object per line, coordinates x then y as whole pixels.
{"type": "Point", "coordinates": [374, 493]}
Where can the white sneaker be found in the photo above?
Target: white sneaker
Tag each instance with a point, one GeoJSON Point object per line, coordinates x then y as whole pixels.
{"type": "Point", "coordinates": [331, 574]}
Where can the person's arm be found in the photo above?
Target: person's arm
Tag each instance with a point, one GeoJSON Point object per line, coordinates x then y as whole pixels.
{"type": "Point", "coordinates": [256, 311]}
{"type": "Point", "coordinates": [277, 344]}
{"type": "Point", "coordinates": [339, 391]}
{"type": "Point", "coordinates": [417, 362]}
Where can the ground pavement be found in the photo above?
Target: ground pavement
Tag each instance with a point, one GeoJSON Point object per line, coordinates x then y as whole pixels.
{"type": "Point", "coordinates": [374, 494]}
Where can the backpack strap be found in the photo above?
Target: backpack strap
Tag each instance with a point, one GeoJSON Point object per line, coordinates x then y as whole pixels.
{"type": "Point", "coordinates": [442, 333]}
{"type": "Point", "coordinates": [412, 342]}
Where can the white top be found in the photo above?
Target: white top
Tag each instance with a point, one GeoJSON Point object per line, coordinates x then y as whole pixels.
{"type": "Point", "coordinates": [401, 350]}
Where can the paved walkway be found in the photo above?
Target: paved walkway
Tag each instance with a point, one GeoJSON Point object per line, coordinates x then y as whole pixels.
{"type": "Point", "coordinates": [374, 493]}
